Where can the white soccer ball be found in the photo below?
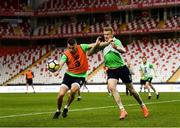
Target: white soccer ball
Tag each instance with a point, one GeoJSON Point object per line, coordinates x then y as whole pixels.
{"type": "Point", "coordinates": [53, 65]}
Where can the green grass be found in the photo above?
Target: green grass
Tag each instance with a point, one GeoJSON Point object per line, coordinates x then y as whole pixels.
{"type": "Point", "coordinates": [162, 112]}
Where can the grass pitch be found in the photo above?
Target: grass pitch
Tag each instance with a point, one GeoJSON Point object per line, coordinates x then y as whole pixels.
{"type": "Point", "coordinates": [94, 110]}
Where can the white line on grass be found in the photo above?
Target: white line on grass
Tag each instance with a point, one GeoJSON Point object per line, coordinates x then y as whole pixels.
{"type": "Point", "coordinates": [84, 109]}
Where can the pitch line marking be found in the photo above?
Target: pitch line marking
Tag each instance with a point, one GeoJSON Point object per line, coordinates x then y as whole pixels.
{"type": "Point", "coordinates": [85, 109]}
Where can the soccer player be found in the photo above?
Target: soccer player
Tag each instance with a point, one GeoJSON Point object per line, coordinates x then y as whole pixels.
{"type": "Point", "coordinates": [74, 78]}
{"type": "Point", "coordinates": [145, 70]}
{"type": "Point", "coordinates": [29, 80]}
{"type": "Point", "coordinates": [117, 69]}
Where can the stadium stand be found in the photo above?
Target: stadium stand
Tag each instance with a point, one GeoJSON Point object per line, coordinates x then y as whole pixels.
{"type": "Point", "coordinates": [65, 5]}
{"type": "Point", "coordinates": [141, 24]}
{"type": "Point", "coordinates": [15, 27]}
{"type": "Point", "coordinates": [14, 6]}
{"type": "Point", "coordinates": [23, 27]}
{"type": "Point", "coordinates": [55, 5]}
{"type": "Point", "coordinates": [16, 59]}
{"type": "Point", "coordinates": [160, 52]}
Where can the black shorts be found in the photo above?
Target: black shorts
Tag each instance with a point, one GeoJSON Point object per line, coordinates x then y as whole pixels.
{"type": "Point", "coordinates": [149, 80]}
{"type": "Point", "coordinates": [69, 80]}
{"type": "Point", "coordinates": [29, 81]}
{"type": "Point", "coordinates": [142, 82]}
{"type": "Point", "coordinates": [122, 72]}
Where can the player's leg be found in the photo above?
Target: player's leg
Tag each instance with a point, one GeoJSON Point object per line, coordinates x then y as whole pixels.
{"type": "Point", "coordinates": [138, 98]}
{"type": "Point", "coordinates": [144, 87]}
{"type": "Point", "coordinates": [79, 95]}
{"type": "Point", "coordinates": [74, 88]}
{"type": "Point", "coordinates": [109, 92]}
{"type": "Point", "coordinates": [134, 93]}
{"type": "Point", "coordinates": [27, 85]}
{"type": "Point", "coordinates": [157, 93]}
{"type": "Point", "coordinates": [127, 91]}
{"type": "Point", "coordinates": [151, 86]}
{"type": "Point", "coordinates": [147, 86]}
{"type": "Point", "coordinates": [86, 87]}
{"type": "Point", "coordinates": [62, 92]}
{"type": "Point", "coordinates": [31, 83]}
{"type": "Point", "coordinates": [141, 85]}
{"type": "Point", "coordinates": [112, 83]}
{"type": "Point", "coordinates": [33, 88]}
{"type": "Point", "coordinates": [127, 79]}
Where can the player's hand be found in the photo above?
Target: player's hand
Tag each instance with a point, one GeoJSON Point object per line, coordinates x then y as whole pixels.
{"type": "Point", "coordinates": [111, 40]}
{"type": "Point", "coordinates": [101, 39]}
{"type": "Point", "coordinates": [113, 45]}
{"type": "Point", "coordinates": [56, 73]}
{"type": "Point", "coordinates": [98, 41]}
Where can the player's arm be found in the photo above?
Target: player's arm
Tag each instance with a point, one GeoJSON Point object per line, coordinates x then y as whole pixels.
{"type": "Point", "coordinates": [118, 46]}
{"type": "Point", "coordinates": [61, 64]}
{"type": "Point", "coordinates": [104, 43]}
{"type": "Point", "coordinates": [95, 47]}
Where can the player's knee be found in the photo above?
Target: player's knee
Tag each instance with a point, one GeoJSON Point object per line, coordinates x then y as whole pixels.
{"type": "Point", "coordinates": [74, 90]}
{"type": "Point", "coordinates": [111, 88]}
{"type": "Point", "coordinates": [147, 86]}
{"type": "Point", "coordinates": [60, 96]}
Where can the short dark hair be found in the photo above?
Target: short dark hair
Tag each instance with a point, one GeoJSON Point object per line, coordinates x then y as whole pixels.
{"type": "Point", "coordinates": [144, 57]}
{"type": "Point", "coordinates": [71, 41]}
{"type": "Point", "coordinates": [108, 28]}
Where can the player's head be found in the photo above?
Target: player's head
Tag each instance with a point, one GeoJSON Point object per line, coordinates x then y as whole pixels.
{"type": "Point", "coordinates": [144, 59]}
{"type": "Point", "coordinates": [108, 33]}
{"type": "Point", "coordinates": [72, 45]}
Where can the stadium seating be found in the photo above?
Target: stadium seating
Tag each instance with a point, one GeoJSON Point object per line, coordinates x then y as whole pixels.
{"type": "Point", "coordinates": [13, 60]}
{"type": "Point", "coordinates": [17, 28]}
{"type": "Point", "coordinates": [56, 5]}
{"type": "Point", "coordinates": [173, 22]}
{"type": "Point", "coordinates": [14, 6]}
{"type": "Point", "coordinates": [68, 5]}
{"type": "Point", "coordinates": [161, 52]}
{"type": "Point", "coordinates": [150, 1]}
{"type": "Point", "coordinates": [143, 24]}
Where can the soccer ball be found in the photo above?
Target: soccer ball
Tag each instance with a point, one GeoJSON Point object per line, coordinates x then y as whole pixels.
{"type": "Point", "coordinates": [53, 65]}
